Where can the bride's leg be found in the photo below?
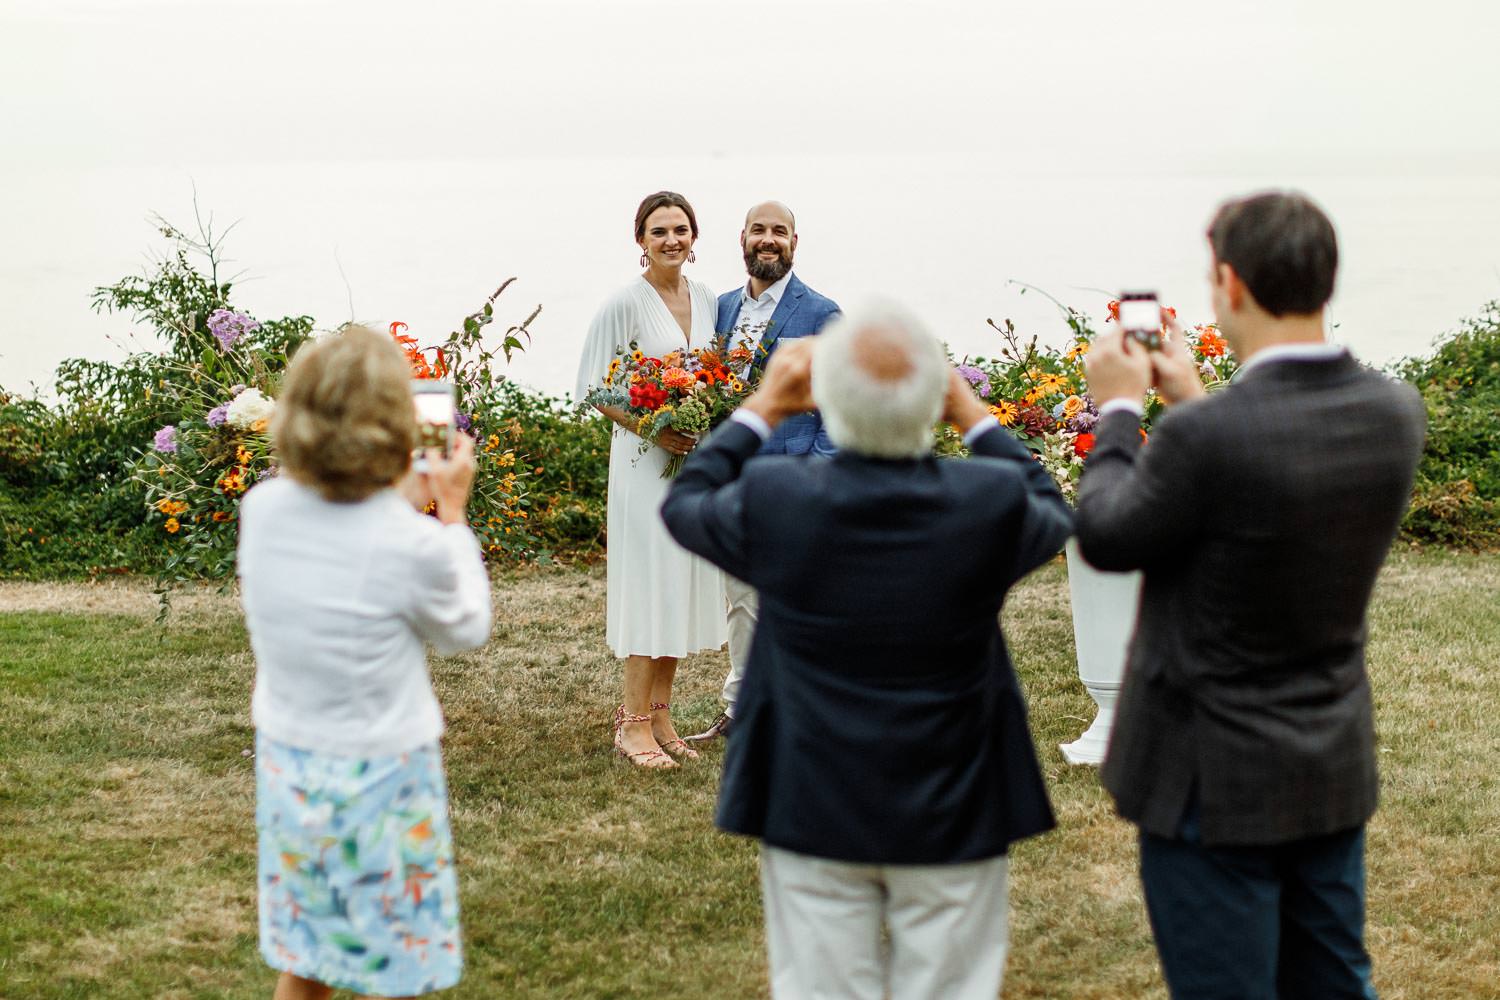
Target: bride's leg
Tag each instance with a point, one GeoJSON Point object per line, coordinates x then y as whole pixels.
{"type": "Point", "coordinates": [663, 674]}
{"type": "Point", "coordinates": [635, 737]}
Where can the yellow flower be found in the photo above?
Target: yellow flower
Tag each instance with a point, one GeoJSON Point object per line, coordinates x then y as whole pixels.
{"type": "Point", "coordinates": [1032, 395]}
{"type": "Point", "coordinates": [1051, 382]}
{"type": "Point", "coordinates": [1072, 406]}
{"type": "Point", "coordinates": [492, 442]}
{"type": "Point", "coordinates": [242, 456]}
{"type": "Point", "coordinates": [172, 526]}
{"type": "Point", "coordinates": [259, 427]}
{"type": "Point", "coordinates": [1006, 412]}
{"type": "Point", "coordinates": [1078, 350]}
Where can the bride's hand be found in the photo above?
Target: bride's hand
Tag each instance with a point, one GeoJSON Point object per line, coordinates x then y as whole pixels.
{"type": "Point", "coordinates": [675, 441]}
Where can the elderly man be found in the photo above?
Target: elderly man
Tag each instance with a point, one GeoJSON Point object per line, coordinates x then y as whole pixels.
{"type": "Point", "coordinates": [1244, 747]}
{"type": "Point", "coordinates": [881, 751]}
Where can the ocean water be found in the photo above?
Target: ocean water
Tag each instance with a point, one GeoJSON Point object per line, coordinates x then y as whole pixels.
{"type": "Point", "coordinates": [951, 236]}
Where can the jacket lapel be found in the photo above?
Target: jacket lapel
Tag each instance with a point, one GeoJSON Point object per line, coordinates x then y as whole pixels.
{"type": "Point", "coordinates": [785, 310]}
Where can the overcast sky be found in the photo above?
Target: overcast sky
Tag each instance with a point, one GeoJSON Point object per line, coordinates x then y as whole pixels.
{"type": "Point", "coordinates": [1065, 82]}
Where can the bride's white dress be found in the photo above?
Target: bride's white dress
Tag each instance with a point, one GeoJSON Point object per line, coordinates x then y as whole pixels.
{"type": "Point", "coordinates": [662, 600]}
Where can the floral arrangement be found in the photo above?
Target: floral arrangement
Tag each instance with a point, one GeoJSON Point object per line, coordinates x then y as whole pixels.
{"type": "Point", "coordinates": [690, 391]}
{"type": "Point", "coordinates": [1041, 393]}
{"type": "Point", "coordinates": [217, 380]}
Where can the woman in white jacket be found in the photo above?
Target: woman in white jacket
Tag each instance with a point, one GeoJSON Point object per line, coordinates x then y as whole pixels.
{"type": "Point", "coordinates": [343, 582]}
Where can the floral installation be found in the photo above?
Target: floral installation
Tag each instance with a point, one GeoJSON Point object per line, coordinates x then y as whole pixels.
{"type": "Point", "coordinates": [690, 391]}
{"type": "Point", "coordinates": [1040, 393]}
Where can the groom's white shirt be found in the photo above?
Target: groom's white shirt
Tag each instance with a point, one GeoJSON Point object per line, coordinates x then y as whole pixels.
{"type": "Point", "coordinates": [756, 311]}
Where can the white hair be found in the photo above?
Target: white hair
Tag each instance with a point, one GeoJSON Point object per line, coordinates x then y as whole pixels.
{"type": "Point", "coordinates": [883, 414]}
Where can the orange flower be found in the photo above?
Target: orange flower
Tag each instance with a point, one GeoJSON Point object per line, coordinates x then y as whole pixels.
{"type": "Point", "coordinates": [242, 456]}
{"type": "Point", "coordinates": [1210, 344]}
{"type": "Point", "coordinates": [259, 427]}
{"type": "Point", "coordinates": [1114, 309]}
{"type": "Point", "coordinates": [220, 516]}
{"type": "Point", "coordinates": [172, 526]}
{"type": "Point", "coordinates": [1006, 412]}
{"type": "Point", "coordinates": [1072, 406]}
{"type": "Point", "coordinates": [1077, 351]}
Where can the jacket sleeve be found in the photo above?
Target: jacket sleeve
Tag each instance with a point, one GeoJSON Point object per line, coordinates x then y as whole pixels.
{"type": "Point", "coordinates": [450, 603]}
{"type": "Point", "coordinates": [1138, 502]}
{"type": "Point", "coordinates": [1048, 521]}
{"type": "Point", "coordinates": [705, 506]}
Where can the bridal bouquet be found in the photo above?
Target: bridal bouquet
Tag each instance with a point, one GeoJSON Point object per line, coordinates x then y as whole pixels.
{"type": "Point", "coordinates": [690, 391]}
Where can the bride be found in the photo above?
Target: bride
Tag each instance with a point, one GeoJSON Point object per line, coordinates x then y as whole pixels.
{"type": "Point", "coordinates": [663, 603]}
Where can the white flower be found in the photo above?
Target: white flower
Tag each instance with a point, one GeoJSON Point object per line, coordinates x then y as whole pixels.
{"type": "Point", "coordinates": [247, 408]}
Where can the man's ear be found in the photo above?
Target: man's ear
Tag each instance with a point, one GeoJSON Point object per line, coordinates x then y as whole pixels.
{"type": "Point", "coordinates": [1234, 289]}
{"type": "Point", "coordinates": [742, 237]}
{"type": "Point", "coordinates": [794, 241]}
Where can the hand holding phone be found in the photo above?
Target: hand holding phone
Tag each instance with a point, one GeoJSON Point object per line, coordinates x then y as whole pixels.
{"type": "Point", "coordinates": [1140, 318]}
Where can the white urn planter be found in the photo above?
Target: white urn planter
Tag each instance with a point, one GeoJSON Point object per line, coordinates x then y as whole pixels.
{"type": "Point", "coordinates": [1104, 609]}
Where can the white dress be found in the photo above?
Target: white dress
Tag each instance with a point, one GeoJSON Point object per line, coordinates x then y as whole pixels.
{"type": "Point", "coordinates": [663, 601]}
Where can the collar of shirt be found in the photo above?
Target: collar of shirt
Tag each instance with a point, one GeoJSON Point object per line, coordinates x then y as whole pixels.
{"type": "Point", "coordinates": [1320, 351]}
{"type": "Point", "coordinates": [771, 296]}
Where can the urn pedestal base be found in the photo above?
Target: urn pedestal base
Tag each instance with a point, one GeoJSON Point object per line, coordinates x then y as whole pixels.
{"type": "Point", "coordinates": [1104, 610]}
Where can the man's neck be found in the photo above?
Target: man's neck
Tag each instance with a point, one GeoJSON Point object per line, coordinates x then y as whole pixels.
{"type": "Point", "coordinates": [1290, 329]}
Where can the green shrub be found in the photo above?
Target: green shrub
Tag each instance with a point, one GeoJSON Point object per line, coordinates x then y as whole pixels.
{"type": "Point", "coordinates": [1456, 501]}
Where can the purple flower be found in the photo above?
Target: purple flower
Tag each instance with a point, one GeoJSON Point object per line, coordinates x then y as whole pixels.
{"type": "Point", "coordinates": [166, 439]}
{"type": "Point", "coordinates": [1083, 421]}
{"type": "Point", "coordinates": [216, 416]}
{"type": "Point", "coordinates": [229, 326]}
{"type": "Point", "coordinates": [465, 422]}
{"type": "Point", "coordinates": [976, 378]}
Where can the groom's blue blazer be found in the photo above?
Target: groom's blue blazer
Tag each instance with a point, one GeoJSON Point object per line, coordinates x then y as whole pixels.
{"type": "Point", "coordinates": [800, 312]}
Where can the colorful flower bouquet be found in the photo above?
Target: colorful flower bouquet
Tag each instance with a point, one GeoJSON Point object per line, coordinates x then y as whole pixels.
{"type": "Point", "coordinates": [690, 391]}
{"type": "Point", "coordinates": [1041, 393]}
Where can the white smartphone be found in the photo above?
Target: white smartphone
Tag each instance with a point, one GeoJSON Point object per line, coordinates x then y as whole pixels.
{"type": "Point", "coordinates": [1140, 318]}
{"type": "Point", "coordinates": [436, 419]}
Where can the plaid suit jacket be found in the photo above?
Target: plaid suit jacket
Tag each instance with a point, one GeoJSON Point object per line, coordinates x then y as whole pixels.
{"type": "Point", "coordinates": [1260, 517]}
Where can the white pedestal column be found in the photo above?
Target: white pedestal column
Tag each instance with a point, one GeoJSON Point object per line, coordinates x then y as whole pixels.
{"type": "Point", "coordinates": [1104, 610]}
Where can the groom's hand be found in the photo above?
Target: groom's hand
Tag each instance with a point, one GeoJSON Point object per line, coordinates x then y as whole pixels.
{"type": "Point", "coordinates": [786, 387]}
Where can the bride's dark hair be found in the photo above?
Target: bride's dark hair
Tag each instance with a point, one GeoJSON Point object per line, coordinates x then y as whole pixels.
{"type": "Point", "coordinates": [663, 199]}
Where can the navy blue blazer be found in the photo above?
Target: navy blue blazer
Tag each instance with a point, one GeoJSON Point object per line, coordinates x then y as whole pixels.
{"type": "Point", "coordinates": [880, 720]}
{"type": "Point", "coordinates": [800, 312]}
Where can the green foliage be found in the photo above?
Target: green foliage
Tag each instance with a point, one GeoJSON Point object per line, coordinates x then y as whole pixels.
{"type": "Point", "coordinates": [568, 456]}
{"type": "Point", "coordinates": [1456, 501]}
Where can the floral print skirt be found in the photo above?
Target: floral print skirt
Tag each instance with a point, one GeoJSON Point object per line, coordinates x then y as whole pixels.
{"type": "Point", "coordinates": [357, 887]}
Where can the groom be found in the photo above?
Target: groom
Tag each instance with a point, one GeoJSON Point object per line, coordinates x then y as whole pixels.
{"type": "Point", "coordinates": [775, 305]}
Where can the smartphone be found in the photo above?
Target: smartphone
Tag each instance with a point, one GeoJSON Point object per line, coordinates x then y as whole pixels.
{"type": "Point", "coordinates": [1140, 318]}
{"type": "Point", "coordinates": [436, 419]}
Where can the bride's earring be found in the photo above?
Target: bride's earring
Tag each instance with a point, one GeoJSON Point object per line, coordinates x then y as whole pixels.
{"type": "Point", "coordinates": [643, 258]}
{"type": "Point", "coordinates": [692, 256]}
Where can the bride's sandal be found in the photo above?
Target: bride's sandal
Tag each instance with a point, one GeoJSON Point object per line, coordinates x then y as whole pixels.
{"type": "Point", "coordinates": [677, 747]}
{"type": "Point", "coordinates": [651, 759]}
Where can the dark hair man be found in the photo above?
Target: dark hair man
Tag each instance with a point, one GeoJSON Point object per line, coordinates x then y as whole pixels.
{"type": "Point", "coordinates": [1244, 744]}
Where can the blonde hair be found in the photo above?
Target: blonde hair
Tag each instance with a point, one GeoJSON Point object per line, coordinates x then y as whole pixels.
{"type": "Point", "coordinates": [344, 424]}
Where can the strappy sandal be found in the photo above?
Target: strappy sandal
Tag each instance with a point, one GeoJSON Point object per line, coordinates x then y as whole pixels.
{"type": "Point", "coordinates": [654, 760]}
{"type": "Point", "coordinates": [677, 747]}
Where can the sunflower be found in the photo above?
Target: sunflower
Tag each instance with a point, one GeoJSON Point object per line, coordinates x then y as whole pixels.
{"type": "Point", "coordinates": [1006, 412]}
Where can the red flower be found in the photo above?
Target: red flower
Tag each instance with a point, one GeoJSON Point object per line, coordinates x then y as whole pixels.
{"type": "Point", "coordinates": [1210, 344]}
{"type": "Point", "coordinates": [1114, 310]}
{"type": "Point", "coordinates": [647, 396]}
{"type": "Point", "coordinates": [1083, 444]}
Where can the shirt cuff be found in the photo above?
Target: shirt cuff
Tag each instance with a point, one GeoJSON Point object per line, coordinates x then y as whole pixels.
{"type": "Point", "coordinates": [980, 426]}
{"type": "Point", "coordinates": [754, 421]}
{"type": "Point", "coordinates": [1124, 406]}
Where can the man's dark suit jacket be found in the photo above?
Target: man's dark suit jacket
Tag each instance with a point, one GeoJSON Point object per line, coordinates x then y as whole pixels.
{"type": "Point", "coordinates": [801, 312]}
{"type": "Point", "coordinates": [880, 719]}
{"type": "Point", "coordinates": [1261, 516]}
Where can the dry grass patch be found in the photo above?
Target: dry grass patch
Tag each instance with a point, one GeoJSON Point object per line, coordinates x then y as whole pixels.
{"type": "Point", "coordinates": [128, 838]}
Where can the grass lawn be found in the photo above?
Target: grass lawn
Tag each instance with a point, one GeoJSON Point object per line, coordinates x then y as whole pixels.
{"type": "Point", "coordinates": [127, 838]}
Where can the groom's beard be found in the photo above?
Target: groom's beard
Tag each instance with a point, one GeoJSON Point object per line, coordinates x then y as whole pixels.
{"type": "Point", "coordinates": [770, 271]}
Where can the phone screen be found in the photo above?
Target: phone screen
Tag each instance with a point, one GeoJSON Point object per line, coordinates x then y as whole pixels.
{"type": "Point", "coordinates": [1140, 315]}
{"type": "Point", "coordinates": [434, 417]}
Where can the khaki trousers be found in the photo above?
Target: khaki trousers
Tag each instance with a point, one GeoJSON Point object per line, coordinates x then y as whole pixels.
{"type": "Point", "coordinates": [744, 611]}
{"type": "Point", "coordinates": [947, 924]}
